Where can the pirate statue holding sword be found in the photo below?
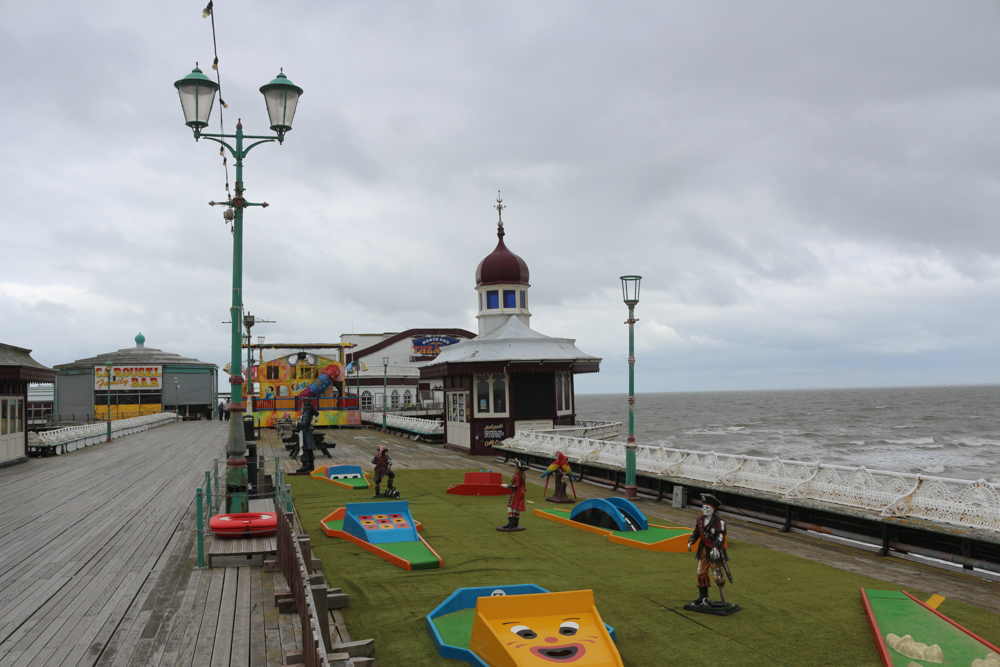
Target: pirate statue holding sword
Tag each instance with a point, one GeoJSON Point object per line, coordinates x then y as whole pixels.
{"type": "Point", "coordinates": [710, 535]}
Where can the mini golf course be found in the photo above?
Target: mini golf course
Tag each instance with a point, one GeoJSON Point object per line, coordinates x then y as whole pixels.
{"type": "Point", "coordinates": [795, 611]}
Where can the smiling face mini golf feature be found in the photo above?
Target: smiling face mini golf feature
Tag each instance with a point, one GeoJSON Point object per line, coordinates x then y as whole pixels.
{"type": "Point", "coordinates": [542, 629]}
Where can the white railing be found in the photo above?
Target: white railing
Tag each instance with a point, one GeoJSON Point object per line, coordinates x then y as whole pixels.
{"type": "Point", "coordinates": [411, 424]}
{"type": "Point", "coordinates": [591, 430]}
{"type": "Point", "coordinates": [70, 438]}
{"type": "Point", "coordinates": [955, 501]}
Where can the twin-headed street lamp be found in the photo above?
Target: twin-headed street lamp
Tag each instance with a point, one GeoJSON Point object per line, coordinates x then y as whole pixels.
{"type": "Point", "coordinates": [197, 94]}
{"type": "Point", "coordinates": [630, 292]}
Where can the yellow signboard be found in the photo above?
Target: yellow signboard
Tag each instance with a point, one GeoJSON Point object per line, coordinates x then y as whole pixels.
{"type": "Point", "coordinates": [128, 378]}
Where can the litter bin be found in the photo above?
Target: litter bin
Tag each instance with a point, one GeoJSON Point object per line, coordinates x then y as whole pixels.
{"type": "Point", "coordinates": [252, 464]}
{"type": "Point", "coordinates": [248, 428]}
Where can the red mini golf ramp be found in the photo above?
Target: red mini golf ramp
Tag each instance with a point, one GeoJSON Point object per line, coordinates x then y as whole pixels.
{"type": "Point", "coordinates": [899, 613]}
{"type": "Point", "coordinates": [387, 530]}
{"type": "Point", "coordinates": [480, 484]}
{"type": "Point", "coordinates": [670, 539]}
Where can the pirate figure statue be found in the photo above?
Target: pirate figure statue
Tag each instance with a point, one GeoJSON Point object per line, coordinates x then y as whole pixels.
{"type": "Point", "coordinates": [710, 535]}
{"type": "Point", "coordinates": [383, 469]}
{"type": "Point", "coordinates": [308, 446]}
{"type": "Point", "coordinates": [515, 502]}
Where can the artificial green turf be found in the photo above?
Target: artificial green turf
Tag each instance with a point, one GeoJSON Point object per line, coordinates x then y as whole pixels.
{"type": "Point", "coordinates": [456, 628]}
{"type": "Point", "coordinates": [896, 613]}
{"type": "Point", "coordinates": [795, 612]}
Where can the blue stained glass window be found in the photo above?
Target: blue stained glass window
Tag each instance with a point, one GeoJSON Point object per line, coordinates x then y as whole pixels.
{"type": "Point", "coordinates": [509, 298]}
{"type": "Point", "coordinates": [492, 299]}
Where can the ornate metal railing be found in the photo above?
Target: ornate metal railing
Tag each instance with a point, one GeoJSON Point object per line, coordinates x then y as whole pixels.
{"type": "Point", "coordinates": [591, 430]}
{"type": "Point", "coordinates": [955, 501]}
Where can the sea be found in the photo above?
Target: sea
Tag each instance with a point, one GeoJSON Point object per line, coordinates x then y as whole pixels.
{"type": "Point", "coordinates": [946, 431]}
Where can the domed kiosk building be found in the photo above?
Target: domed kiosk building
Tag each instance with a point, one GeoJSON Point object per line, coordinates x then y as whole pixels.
{"type": "Point", "coordinates": [135, 381]}
{"type": "Point", "coordinates": [509, 377]}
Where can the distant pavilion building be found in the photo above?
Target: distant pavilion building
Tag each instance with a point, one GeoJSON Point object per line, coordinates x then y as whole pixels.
{"type": "Point", "coordinates": [17, 370]}
{"type": "Point", "coordinates": [509, 376]}
{"type": "Point", "coordinates": [142, 381]}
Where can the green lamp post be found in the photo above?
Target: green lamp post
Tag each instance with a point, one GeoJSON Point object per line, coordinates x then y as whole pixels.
{"type": "Point", "coordinates": [385, 379]}
{"type": "Point", "coordinates": [281, 96]}
{"type": "Point", "coordinates": [107, 385]}
{"type": "Point", "coordinates": [630, 292]}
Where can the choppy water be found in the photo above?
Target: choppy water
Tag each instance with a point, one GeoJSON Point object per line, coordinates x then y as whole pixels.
{"type": "Point", "coordinates": [949, 431]}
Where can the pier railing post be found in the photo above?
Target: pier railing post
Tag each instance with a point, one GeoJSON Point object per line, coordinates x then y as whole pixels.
{"type": "Point", "coordinates": [208, 492]}
{"type": "Point", "coordinates": [201, 531]}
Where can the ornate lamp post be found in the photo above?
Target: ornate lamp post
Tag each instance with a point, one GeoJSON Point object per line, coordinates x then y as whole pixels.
{"type": "Point", "coordinates": [197, 94]}
{"type": "Point", "coordinates": [107, 385]}
{"type": "Point", "coordinates": [177, 405]}
{"type": "Point", "coordinates": [385, 377]}
{"type": "Point", "coordinates": [630, 292]}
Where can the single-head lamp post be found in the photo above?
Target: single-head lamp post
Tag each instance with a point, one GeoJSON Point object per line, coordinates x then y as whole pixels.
{"type": "Point", "coordinates": [177, 405]}
{"type": "Point", "coordinates": [107, 385]}
{"type": "Point", "coordinates": [281, 97]}
{"type": "Point", "coordinates": [630, 293]}
{"type": "Point", "coordinates": [385, 377]}
{"type": "Point", "coordinates": [197, 93]}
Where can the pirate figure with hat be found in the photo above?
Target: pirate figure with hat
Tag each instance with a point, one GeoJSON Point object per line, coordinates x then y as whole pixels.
{"type": "Point", "coordinates": [515, 502]}
{"type": "Point", "coordinates": [710, 535]}
{"type": "Point", "coordinates": [383, 469]}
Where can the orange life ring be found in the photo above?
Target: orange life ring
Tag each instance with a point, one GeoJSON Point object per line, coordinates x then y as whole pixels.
{"type": "Point", "coordinates": [244, 524]}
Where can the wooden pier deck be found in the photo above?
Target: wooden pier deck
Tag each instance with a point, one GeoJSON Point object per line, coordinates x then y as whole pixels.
{"type": "Point", "coordinates": [97, 554]}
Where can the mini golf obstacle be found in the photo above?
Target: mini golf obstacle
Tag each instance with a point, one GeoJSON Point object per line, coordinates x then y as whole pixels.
{"type": "Point", "coordinates": [244, 524]}
{"type": "Point", "coordinates": [905, 629]}
{"type": "Point", "coordinates": [522, 625]}
{"type": "Point", "coordinates": [350, 477]}
{"type": "Point", "coordinates": [387, 530]}
{"type": "Point", "coordinates": [480, 484]}
{"type": "Point", "coordinates": [622, 522]}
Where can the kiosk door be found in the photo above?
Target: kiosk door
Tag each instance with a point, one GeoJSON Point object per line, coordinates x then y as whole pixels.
{"type": "Point", "coordinates": [458, 419]}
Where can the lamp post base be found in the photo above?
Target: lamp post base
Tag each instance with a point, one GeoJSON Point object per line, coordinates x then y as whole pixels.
{"type": "Point", "coordinates": [630, 492]}
{"type": "Point", "coordinates": [237, 479]}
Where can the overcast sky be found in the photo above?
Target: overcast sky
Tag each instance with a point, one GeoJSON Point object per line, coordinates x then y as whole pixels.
{"type": "Point", "coordinates": [810, 190]}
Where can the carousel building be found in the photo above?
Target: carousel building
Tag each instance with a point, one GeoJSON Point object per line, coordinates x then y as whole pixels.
{"type": "Point", "coordinates": [509, 376]}
{"type": "Point", "coordinates": [135, 381]}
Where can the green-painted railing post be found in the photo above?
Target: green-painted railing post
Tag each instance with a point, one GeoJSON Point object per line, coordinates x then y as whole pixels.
{"type": "Point", "coordinates": [218, 494]}
{"type": "Point", "coordinates": [208, 491]}
{"type": "Point", "coordinates": [201, 531]}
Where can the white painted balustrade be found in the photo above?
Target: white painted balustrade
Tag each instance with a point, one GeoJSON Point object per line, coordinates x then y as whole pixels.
{"type": "Point", "coordinates": [954, 501]}
{"type": "Point", "coordinates": [411, 424]}
{"type": "Point", "coordinates": [68, 439]}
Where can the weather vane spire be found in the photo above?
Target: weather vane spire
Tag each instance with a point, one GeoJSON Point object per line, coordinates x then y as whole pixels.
{"type": "Point", "coordinates": [499, 207]}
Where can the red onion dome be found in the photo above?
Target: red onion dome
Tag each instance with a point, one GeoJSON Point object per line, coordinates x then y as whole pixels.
{"type": "Point", "coordinates": [501, 267]}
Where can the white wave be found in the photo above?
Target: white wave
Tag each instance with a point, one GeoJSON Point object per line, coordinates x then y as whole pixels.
{"type": "Point", "coordinates": [912, 441]}
{"type": "Point", "coordinates": [904, 426]}
{"type": "Point", "coordinates": [977, 442]}
{"type": "Point", "coordinates": [933, 469]}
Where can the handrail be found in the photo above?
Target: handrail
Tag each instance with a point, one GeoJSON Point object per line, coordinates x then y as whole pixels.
{"type": "Point", "coordinates": [975, 504]}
